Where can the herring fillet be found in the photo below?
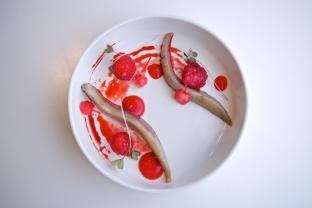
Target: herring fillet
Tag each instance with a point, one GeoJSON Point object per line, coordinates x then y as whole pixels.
{"type": "Point", "coordinates": [199, 97]}
{"type": "Point", "coordinates": [137, 124]}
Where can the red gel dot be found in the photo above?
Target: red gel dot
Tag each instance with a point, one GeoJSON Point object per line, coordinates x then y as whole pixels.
{"type": "Point", "coordinates": [220, 83]}
{"type": "Point", "coordinates": [134, 104]}
{"type": "Point", "coordinates": [155, 71]}
{"type": "Point", "coordinates": [86, 107]}
{"type": "Point", "coordinates": [150, 167]}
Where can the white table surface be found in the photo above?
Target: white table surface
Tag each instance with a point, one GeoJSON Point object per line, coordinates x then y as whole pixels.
{"type": "Point", "coordinates": [41, 164]}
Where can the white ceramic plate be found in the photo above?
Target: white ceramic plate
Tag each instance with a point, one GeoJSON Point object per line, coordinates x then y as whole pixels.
{"type": "Point", "coordinates": [195, 141]}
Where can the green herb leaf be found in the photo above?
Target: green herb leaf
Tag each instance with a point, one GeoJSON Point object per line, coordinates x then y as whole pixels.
{"type": "Point", "coordinates": [194, 54]}
{"type": "Point", "coordinates": [110, 68]}
{"type": "Point", "coordinates": [191, 59]}
{"type": "Point", "coordinates": [109, 49]}
{"type": "Point", "coordinates": [118, 163]}
{"type": "Point", "coordinates": [135, 155]}
{"type": "Point", "coordinates": [191, 55]}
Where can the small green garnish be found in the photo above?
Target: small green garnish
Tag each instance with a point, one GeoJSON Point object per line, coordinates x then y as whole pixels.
{"type": "Point", "coordinates": [135, 155]}
{"type": "Point", "coordinates": [109, 49]}
{"type": "Point", "coordinates": [118, 163]}
{"type": "Point", "coordinates": [194, 54]}
{"type": "Point", "coordinates": [191, 59]}
{"type": "Point", "coordinates": [191, 56]}
{"type": "Point", "coordinates": [110, 68]}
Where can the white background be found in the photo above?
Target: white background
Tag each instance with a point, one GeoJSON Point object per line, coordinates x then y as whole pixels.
{"type": "Point", "coordinates": [40, 162]}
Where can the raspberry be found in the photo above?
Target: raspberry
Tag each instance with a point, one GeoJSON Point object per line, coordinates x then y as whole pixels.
{"type": "Point", "coordinates": [120, 143]}
{"type": "Point", "coordinates": [194, 76]}
{"type": "Point", "coordinates": [134, 105]}
{"type": "Point", "coordinates": [182, 96]}
{"type": "Point", "coordinates": [193, 64]}
{"type": "Point", "coordinates": [140, 80]}
{"type": "Point", "coordinates": [124, 68]}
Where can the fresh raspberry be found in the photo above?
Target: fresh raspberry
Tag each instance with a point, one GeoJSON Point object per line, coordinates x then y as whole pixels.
{"type": "Point", "coordinates": [194, 76]}
{"type": "Point", "coordinates": [124, 68]}
{"type": "Point", "coordinates": [120, 143]}
{"type": "Point", "coordinates": [140, 80]}
{"type": "Point", "coordinates": [182, 96]}
{"type": "Point", "coordinates": [193, 64]}
{"type": "Point", "coordinates": [134, 105]}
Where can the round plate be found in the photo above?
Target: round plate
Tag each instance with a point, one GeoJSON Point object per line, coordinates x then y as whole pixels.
{"type": "Point", "coordinates": [195, 141]}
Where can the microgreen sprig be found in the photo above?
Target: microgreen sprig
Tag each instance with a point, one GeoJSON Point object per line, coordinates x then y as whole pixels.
{"type": "Point", "coordinates": [109, 49]}
{"type": "Point", "coordinates": [119, 163]}
{"type": "Point", "coordinates": [135, 155]}
{"type": "Point", "coordinates": [191, 55]}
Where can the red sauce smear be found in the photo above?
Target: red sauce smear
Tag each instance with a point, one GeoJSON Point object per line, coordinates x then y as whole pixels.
{"type": "Point", "coordinates": [116, 89]}
{"type": "Point", "coordinates": [104, 148]}
{"type": "Point", "coordinates": [150, 167]}
{"type": "Point", "coordinates": [144, 48]}
{"type": "Point", "coordinates": [141, 66]}
{"type": "Point", "coordinates": [178, 65]}
{"type": "Point", "coordinates": [95, 134]}
{"type": "Point", "coordinates": [103, 86]}
{"type": "Point", "coordinates": [143, 61]}
{"type": "Point", "coordinates": [139, 145]}
{"type": "Point", "coordinates": [104, 155]}
{"type": "Point", "coordinates": [176, 51]}
{"type": "Point", "coordinates": [108, 130]}
{"type": "Point", "coordinates": [98, 61]}
{"type": "Point", "coordinates": [220, 83]}
{"type": "Point", "coordinates": [85, 119]}
{"type": "Point", "coordinates": [141, 58]}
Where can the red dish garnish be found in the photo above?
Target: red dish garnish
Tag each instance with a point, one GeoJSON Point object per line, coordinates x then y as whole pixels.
{"type": "Point", "coordinates": [182, 96]}
{"type": "Point", "coordinates": [140, 80]}
{"type": "Point", "coordinates": [155, 71]}
{"type": "Point", "coordinates": [220, 83]}
{"type": "Point", "coordinates": [120, 143]}
{"type": "Point", "coordinates": [134, 105]}
{"type": "Point", "coordinates": [150, 167]}
{"type": "Point", "coordinates": [194, 76]}
{"type": "Point", "coordinates": [86, 107]}
{"type": "Point", "coordinates": [124, 67]}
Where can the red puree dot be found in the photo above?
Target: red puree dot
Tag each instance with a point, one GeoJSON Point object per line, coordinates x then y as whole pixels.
{"type": "Point", "coordinates": [86, 107]}
{"type": "Point", "coordinates": [134, 105]}
{"type": "Point", "coordinates": [150, 166]}
{"type": "Point", "coordinates": [140, 80]}
{"type": "Point", "coordinates": [220, 83]}
{"type": "Point", "coordinates": [155, 71]}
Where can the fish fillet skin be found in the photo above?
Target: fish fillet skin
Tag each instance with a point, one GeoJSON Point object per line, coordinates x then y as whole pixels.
{"type": "Point", "coordinates": [199, 97]}
{"type": "Point", "coordinates": [137, 124]}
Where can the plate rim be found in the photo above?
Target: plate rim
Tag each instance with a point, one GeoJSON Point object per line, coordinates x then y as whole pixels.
{"type": "Point", "coordinates": [70, 97]}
